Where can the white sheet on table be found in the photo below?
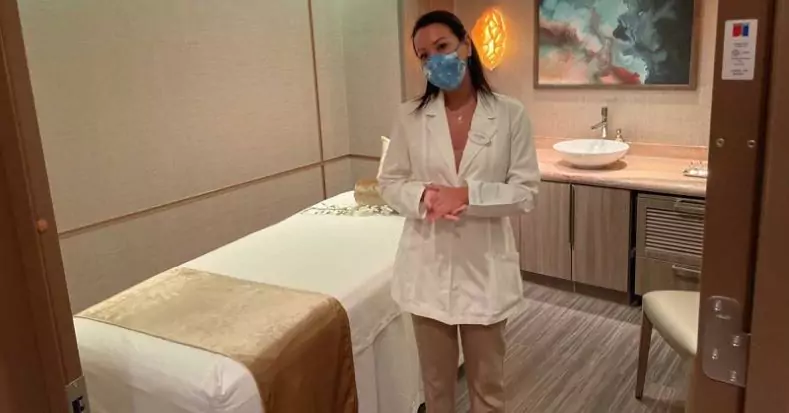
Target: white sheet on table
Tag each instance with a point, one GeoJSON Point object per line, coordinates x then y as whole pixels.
{"type": "Point", "coordinates": [349, 258]}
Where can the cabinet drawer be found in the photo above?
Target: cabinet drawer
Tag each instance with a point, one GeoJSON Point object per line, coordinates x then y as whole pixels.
{"type": "Point", "coordinates": [655, 275]}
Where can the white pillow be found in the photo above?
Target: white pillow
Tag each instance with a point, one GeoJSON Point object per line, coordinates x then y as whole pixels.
{"type": "Point", "coordinates": [384, 148]}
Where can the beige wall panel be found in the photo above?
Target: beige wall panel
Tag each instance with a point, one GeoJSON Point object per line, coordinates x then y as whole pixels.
{"type": "Point", "coordinates": [339, 177]}
{"type": "Point", "coordinates": [413, 80]}
{"type": "Point", "coordinates": [372, 66]}
{"type": "Point", "coordinates": [364, 169]}
{"type": "Point", "coordinates": [109, 259]}
{"type": "Point", "coordinates": [147, 102]}
{"type": "Point", "coordinates": [330, 57]}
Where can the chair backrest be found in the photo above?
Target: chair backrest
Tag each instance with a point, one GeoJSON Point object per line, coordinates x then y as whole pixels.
{"type": "Point", "coordinates": [675, 315]}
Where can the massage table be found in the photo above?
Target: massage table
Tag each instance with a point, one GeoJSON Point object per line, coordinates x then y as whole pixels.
{"type": "Point", "coordinates": [347, 257]}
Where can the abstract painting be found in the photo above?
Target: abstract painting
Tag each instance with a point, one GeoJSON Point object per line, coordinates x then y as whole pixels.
{"type": "Point", "coordinates": [615, 43]}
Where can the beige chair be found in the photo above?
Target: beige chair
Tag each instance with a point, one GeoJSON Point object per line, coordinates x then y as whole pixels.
{"type": "Point", "coordinates": [675, 315]}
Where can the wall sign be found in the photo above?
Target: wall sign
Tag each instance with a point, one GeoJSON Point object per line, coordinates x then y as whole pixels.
{"type": "Point", "coordinates": [739, 49]}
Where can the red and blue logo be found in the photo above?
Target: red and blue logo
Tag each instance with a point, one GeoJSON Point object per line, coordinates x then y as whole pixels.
{"type": "Point", "coordinates": [741, 30]}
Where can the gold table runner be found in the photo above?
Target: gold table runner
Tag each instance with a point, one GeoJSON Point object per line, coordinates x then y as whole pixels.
{"type": "Point", "coordinates": [296, 344]}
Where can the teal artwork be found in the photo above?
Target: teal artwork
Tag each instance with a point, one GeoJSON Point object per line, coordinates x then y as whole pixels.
{"type": "Point", "coordinates": [615, 43]}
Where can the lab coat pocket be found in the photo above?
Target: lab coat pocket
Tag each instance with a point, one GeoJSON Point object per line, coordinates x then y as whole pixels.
{"type": "Point", "coordinates": [505, 287]}
{"type": "Point", "coordinates": [479, 150]}
{"type": "Point", "coordinates": [415, 268]}
{"type": "Point", "coordinates": [480, 138]}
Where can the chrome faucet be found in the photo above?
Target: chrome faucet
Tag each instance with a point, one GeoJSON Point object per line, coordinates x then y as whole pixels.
{"type": "Point", "coordinates": [603, 125]}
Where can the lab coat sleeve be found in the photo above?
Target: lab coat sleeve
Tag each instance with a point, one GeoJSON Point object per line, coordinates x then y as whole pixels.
{"type": "Point", "coordinates": [518, 193]}
{"type": "Point", "coordinates": [398, 188]}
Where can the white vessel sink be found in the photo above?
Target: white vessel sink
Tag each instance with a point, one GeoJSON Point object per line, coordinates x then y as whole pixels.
{"type": "Point", "coordinates": [591, 153]}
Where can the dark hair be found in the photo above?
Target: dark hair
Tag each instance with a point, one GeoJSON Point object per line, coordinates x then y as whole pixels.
{"type": "Point", "coordinates": [475, 70]}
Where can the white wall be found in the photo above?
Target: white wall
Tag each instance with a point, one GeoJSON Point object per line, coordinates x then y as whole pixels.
{"type": "Point", "coordinates": [148, 102]}
{"type": "Point", "coordinates": [671, 117]}
{"type": "Point", "coordinates": [357, 49]}
{"type": "Point", "coordinates": [371, 41]}
{"type": "Point", "coordinates": [171, 128]}
{"type": "Point", "coordinates": [327, 24]}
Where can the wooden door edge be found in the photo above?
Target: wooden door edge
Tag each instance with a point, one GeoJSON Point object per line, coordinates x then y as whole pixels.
{"type": "Point", "coordinates": [733, 192]}
{"type": "Point", "coordinates": [768, 385]}
{"type": "Point", "coordinates": [23, 159]}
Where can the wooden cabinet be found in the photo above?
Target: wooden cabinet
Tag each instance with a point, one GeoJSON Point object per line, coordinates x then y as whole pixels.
{"type": "Point", "coordinates": [586, 234]}
{"type": "Point", "coordinates": [601, 237]}
{"type": "Point", "coordinates": [578, 233]}
{"type": "Point", "coordinates": [545, 233]}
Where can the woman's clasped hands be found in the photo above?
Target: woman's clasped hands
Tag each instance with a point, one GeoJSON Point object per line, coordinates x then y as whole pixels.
{"type": "Point", "coordinates": [444, 202]}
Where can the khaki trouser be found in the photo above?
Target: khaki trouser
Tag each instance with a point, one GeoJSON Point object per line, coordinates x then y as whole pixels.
{"type": "Point", "coordinates": [483, 352]}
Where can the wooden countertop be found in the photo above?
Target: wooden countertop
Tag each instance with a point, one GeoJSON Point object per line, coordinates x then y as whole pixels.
{"type": "Point", "coordinates": [647, 167]}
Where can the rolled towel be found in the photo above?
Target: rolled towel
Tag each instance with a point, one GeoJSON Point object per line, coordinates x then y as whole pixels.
{"type": "Point", "coordinates": [367, 192]}
{"type": "Point", "coordinates": [384, 149]}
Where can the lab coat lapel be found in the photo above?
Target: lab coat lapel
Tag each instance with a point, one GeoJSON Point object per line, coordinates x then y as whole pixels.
{"type": "Point", "coordinates": [481, 133]}
{"type": "Point", "coordinates": [437, 135]}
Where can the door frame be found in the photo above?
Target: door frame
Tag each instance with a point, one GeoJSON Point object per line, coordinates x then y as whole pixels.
{"type": "Point", "coordinates": [35, 276]}
{"type": "Point", "coordinates": [768, 384]}
{"type": "Point", "coordinates": [742, 200]}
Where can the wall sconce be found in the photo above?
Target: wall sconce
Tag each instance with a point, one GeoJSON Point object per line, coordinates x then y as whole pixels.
{"type": "Point", "coordinates": [490, 36]}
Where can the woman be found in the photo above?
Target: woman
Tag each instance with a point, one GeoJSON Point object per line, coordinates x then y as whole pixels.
{"type": "Point", "coordinates": [461, 161]}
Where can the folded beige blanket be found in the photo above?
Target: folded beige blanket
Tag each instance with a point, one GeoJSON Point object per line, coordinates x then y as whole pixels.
{"type": "Point", "coordinates": [296, 344]}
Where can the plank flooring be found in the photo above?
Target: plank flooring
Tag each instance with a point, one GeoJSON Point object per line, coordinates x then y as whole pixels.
{"type": "Point", "coordinates": [571, 353]}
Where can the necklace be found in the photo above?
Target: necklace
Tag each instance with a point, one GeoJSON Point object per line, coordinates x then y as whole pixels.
{"type": "Point", "coordinates": [459, 113]}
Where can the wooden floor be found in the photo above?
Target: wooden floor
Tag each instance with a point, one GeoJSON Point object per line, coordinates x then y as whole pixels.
{"type": "Point", "coordinates": [571, 353]}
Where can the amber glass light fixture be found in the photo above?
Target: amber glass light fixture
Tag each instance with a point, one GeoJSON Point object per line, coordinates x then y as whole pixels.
{"type": "Point", "coordinates": [490, 37]}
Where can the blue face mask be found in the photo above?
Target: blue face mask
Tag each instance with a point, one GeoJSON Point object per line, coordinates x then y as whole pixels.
{"type": "Point", "coordinates": [445, 71]}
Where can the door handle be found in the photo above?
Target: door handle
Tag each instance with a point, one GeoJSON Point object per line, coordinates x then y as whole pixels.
{"type": "Point", "coordinates": [686, 273]}
{"type": "Point", "coordinates": [571, 225]}
{"type": "Point", "coordinates": [688, 207]}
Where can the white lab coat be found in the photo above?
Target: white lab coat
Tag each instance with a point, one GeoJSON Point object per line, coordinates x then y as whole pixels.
{"type": "Point", "coordinates": [466, 272]}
